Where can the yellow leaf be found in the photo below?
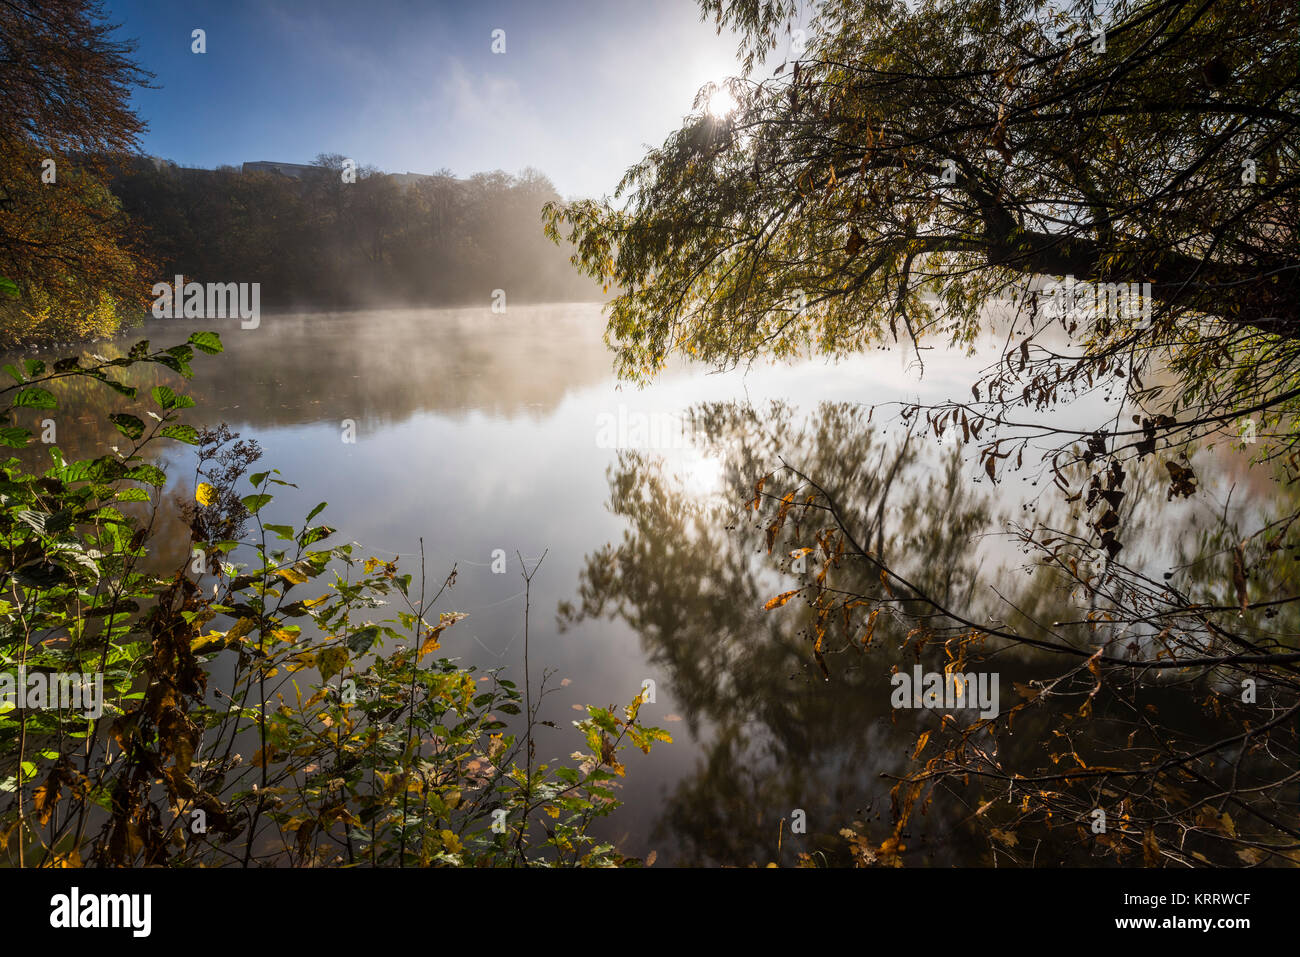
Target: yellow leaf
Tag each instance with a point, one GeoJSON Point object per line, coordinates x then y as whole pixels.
{"type": "Point", "coordinates": [205, 494]}
{"type": "Point", "coordinates": [292, 576]}
{"type": "Point", "coordinates": [303, 659]}
{"type": "Point", "coordinates": [209, 642]}
{"type": "Point", "coordinates": [781, 599]}
{"type": "Point", "coordinates": [445, 621]}
{"type": "Point", "coordinates": [920, 745]}
{"type": "Point", "coordinates": [430, 643]}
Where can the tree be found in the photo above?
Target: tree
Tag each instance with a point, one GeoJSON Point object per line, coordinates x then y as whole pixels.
{"type": "Point", "coordinates": [66, 84]}
{"type": "Point", "coordinates": [955, 148]}
{"type": "Point", "coordinates": [376, 239]}
{"type": "Point", "coordinates": [922, 162]}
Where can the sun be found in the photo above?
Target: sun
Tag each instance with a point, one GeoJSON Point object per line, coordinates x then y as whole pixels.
{"type": "Point", "coordinates": [720, 103]}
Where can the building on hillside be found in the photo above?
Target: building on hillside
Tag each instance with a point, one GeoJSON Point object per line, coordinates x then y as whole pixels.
{"type": "Point", "coordinates": [291, 170]}
{"type": "Point", "coordinates": [300, 171]}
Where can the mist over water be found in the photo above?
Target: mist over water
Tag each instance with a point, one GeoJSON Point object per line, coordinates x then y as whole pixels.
{"type": "Point", "coordinates": [486, 435]}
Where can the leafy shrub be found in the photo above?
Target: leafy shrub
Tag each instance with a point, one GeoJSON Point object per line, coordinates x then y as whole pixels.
{"type": "Point", "coordinates": [242, 724]}
{"type": "Point", "coordinates": [43, 317]}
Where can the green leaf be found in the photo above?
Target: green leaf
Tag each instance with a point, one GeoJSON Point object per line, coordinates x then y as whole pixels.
{"type": "Point", "coordinates": [107, 468]}
{"type": "Point", "coordinates": [128, 425]}
{"type": "Point", "coordinates": [76, 472]}
{"type": "Point", "coordinates": [603, 719]}
{"type": "Point", "coordinates": [14, 438]}
{"type": "Point", "coordinates": [149, 474]}
{"type": "Point", "coordinates": [34, 367]}
{"type": "Point", "coordinates": [129, 391]}
{"type": "Point", "coordinates": [171, 362]}
{"type": "Point", "coordinates": [35, 398]}
{"type": "Point", "coordinates": [8, 288]}
{"type": "Point", "coordinates": [361, 641]}
{"type": "Point", "coordinates": [46, 524]}
{"type": "Point", "coordinates": [133, 495]}
{"type": "Point", "coordinates": [331, 661]}
{"type": "Point", "coordinates": [310, 536]}
{"type": "Point", "coordinates": [208, 342]}
{"type": "Point", "coordinates": [254, 503]}
{"type": "Point", "coordinates": [181, 433]}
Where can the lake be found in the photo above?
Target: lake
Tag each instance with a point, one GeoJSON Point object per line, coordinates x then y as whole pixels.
{"type": "Point", "coordinates": [490, 436]}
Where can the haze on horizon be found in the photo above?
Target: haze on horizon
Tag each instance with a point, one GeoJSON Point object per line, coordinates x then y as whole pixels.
{"type": "Point", "coordinates": [582, 87]}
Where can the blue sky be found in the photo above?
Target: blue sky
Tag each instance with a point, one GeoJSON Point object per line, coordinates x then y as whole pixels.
{"type": "Point", "coordinates": [583, 85]}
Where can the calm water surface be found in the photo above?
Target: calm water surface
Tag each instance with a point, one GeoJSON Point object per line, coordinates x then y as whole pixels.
{"type": "Point", "coordinates": [477, 432]}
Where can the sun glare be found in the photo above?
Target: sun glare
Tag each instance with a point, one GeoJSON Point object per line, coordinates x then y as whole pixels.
{"type": "Point", "coordinates": [702, 474]}
{"type": "Point", "coordinates": [721, 103]}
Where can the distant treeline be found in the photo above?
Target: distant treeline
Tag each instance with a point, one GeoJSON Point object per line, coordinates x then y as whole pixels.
{"type": "Point", "coordinates": [314, 240]}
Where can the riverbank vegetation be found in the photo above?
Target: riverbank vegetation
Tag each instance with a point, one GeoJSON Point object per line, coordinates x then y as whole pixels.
{"type": "Point", "coordinates": [242, 725]}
